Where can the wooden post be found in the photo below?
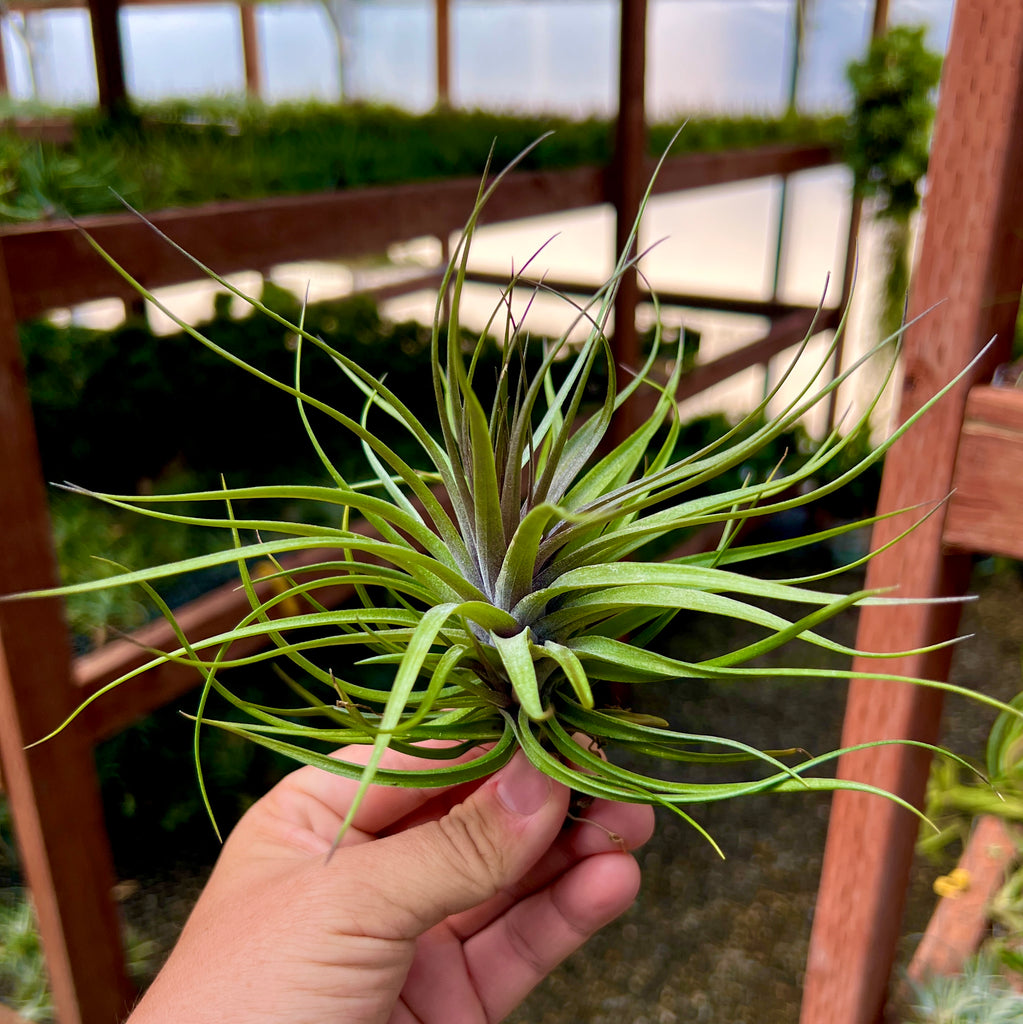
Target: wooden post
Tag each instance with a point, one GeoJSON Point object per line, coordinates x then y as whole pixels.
{"type": "Point", "coordinates": [106, 44]}
{"type": "Point", "coordinates": [972, 262]}
{"type": "Point", "coordinates": [250, 50]}
{"type": "Point", "coordinates": [442, 15]}
{"type": "Point", "coordinates": [627, 187]}
{"type": "Point", "coordinates": [53, 791]}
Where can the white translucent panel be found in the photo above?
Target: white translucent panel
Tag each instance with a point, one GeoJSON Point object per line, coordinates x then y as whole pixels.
{"type": "Point", "coordinates": [836, 33]}
{"type": "Point", "coordinates": [393, 53]}
{"type": "Point", "coordinates": [317, 280]}
{"type": "Point", "coordinates": [577, 245]}
{"type": "Point", "coordinates": [298, 52]}
{"type": "Point", "coordinates": [936, 15]}
{"type": "Point", "coordinates": [62, 71]}
{"type": "Point", "coordinates": [559, 55]}
{"type": "Point", "coordinates": [709, 56]}
{"type": "Point", "coordinates": [718, 240]}
{"type": "Point", "coordinates": [816, 229]}
{"type": "Point", "coordinates": [193, 301]}
{"type": "Point", "coordinates": [182, 51]}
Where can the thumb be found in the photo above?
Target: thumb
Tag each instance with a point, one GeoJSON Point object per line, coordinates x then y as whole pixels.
{"type": "Point", "coordinates": [479, 848]}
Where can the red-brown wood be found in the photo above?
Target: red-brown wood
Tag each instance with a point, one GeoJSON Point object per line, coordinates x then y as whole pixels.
{"type": "Point", "coordinates": [254, 235]}
{"type": "Point", "coordinates": [960, 923]}
{"type": "Point", "coordinates": [627, 182]}
{"type": "Point", "coordinates": [772, 309]}
{"type": "Point", "coordinates": [972, 258]}
{"type": "Point", "coordinates": [106, 45]}
{"type": "Point", "coordinates": [986, 510]}
{"type": "Point", "coordinates": [250, 50]}
{"type": "Point", "coordinates": [52, 789]}
{"type": "Point", "coordinates": [215, 612]}
{"type": "Point", "coordinates": [442, 30]}
{"type": "Point", "coordinates": [4, 84]}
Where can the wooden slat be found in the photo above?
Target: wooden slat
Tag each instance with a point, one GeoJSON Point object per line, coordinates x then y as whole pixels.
{"type": "Point", "coordinates": [772, 309]}
{"type": "Point", "coordinates": [986, 510]}
{"type": "Point", "coordinates": [58, 130]}
{"type": "Point", "coordinates": [782, 335]}
{"type": "Point", "coordinates": [727, 166]}
{"type": "Point", "coordinates": [971, 263]}
{"type": "Point", "coordinates": [259, 234]}
{"type": "Point", "coordinates": [960, 923]}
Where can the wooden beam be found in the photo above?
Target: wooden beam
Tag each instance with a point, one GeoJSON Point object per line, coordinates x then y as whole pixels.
{"type": "Point", "coordinates": [256, 235]}
{"type": "Point", "coordinates": [772, 309]}
{"type": "Point", "coordinates": [725, 166]}
{"type": "Point", "coordinates": [960, 923]}
{"type": "Point", "coordinates": [232, 236]}
{"type": "Point", "coordinates": [52, 788]}
{"type": "Point", "coordinates": [985, 512]}
{"type": "Point", "coordinates": [106, 44]}
{"type": "Point", "coordinates": [215, 612]}
{"type": "Point", "coordinates": [972, 262]}
{"type": "Point", "coordinates": [782, 335]}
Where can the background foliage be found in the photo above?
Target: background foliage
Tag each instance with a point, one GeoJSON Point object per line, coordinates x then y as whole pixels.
{"type": "Point", "coordinates": [183, 153]}
{"type": "Point", "coordinates": [888, 144]}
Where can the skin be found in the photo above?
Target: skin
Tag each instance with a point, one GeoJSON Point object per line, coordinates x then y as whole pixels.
{"type": "Point", "coordinates": [439, 907]}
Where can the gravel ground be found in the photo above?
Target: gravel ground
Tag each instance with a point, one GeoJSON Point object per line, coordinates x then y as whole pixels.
{"type": "Point", "coordinates": [726, 941]}
{"type": "Point", "coordinates": [712, 940]}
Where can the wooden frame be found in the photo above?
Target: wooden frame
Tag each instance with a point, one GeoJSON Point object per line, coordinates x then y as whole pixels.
{"type": "Point", "coordinates": [53, 788]}
{"type": "Point", "coordinates": [972, 263]}
{"type": "Point", "coordinates": [257, 234]}
{"type": "Point", "coordinates": [960, 921]}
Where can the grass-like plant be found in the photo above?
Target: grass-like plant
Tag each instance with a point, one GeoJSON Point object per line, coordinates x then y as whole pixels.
{"type": "Point", "coordinates": [504, 585]}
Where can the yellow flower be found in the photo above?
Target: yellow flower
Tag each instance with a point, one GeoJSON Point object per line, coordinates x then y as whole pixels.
{"type": "Point", "coordinates": [954, 884]}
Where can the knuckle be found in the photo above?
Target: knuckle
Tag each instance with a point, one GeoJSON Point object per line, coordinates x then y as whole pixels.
{"type": "Point", "coordinates": [474, 850]}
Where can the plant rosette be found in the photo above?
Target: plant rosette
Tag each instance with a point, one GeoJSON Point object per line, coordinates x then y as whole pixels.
{"type": "Point", "coordinates": [501, 585]}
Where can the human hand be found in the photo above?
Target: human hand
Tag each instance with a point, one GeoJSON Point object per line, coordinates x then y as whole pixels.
{"type": "Point", "coordinates": [439, 907]}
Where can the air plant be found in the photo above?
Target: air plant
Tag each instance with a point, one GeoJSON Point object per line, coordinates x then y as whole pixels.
{"type": "Point", "coordinates": [979, 994]}
{"type": "Point", "coordinates": [502, 587]}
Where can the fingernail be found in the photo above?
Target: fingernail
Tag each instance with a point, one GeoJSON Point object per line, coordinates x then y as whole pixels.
{"type": "Point", "coordinates": [521, 788]}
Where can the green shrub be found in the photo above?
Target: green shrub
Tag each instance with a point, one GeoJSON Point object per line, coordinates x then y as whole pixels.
{"type": "Point", "coordinates": [182, 153]}
{"type": "Point", "coordinates": [888, 145]}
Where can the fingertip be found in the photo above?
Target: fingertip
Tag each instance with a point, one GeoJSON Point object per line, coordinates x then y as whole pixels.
{"type": "Point", "coordinates": [598, 890]}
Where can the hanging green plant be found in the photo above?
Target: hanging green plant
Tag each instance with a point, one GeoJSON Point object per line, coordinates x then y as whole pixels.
{"type": "Point", "coordinates": [501, 587]}
{"type": "Point", "coordinates": [888, 144]}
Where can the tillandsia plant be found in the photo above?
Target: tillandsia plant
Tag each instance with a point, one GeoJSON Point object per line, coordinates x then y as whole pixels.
{"type": "Point", "coordinates": [501, 587]}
